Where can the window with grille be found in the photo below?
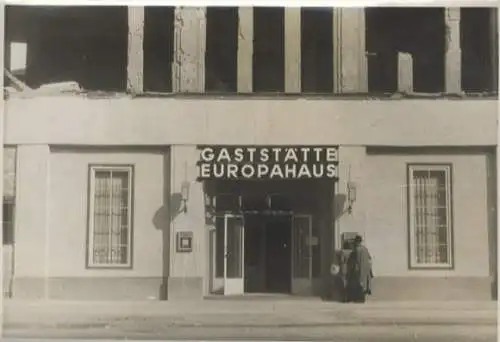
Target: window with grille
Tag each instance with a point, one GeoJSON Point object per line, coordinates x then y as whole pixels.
{"type": "Point", "coordinates": [110, 221]}
{"type": "Point", "coordinates": [430, 216]}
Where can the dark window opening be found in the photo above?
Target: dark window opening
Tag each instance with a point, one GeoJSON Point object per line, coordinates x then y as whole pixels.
{"type": "Point", "coordinates": [269, 53]}
{"type": "Point", "coordinates": [8, 221]}
{"type": "Point", "coordinates": [418, 31]}
{"type": "Point", "coordinates": [158, 48]}
{"type": "Point", "coordinates": [227, 203]}
{"type": "Point", "coordinates": [256, 202]}
{"type": "Point", "coordinates": [221, 49]}
{"type": "Point", "coordinates": [316, 50]}
{"type": "Point", "coordinates": [87, 45]}
{"type": "Point", "coordinates": [280, 202]}
{"type": "Point", "coordinates": [16, 27]}
{"type": "Point", "coordinates": [478, 41]}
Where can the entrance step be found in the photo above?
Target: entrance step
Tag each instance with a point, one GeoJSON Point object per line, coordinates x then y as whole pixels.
{"type": "Point", "coordinates": [265, 297]}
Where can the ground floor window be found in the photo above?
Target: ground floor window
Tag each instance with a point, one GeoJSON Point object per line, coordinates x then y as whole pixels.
{"type": "Point", "coordinates": [430, 225]}
{"type": "Point", "coordinates": [110, 216]}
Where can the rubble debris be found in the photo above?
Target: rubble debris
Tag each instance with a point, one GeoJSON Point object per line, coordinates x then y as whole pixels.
{"type": "Point", "coordinates": [62, 87]}
{"type": "Point", "coordinates": [17, 84]}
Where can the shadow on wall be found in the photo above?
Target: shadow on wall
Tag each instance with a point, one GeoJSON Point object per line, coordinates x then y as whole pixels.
{"type": "Point", "coordinates": [168, 213]}
{"type": "Point", "coordinates": [165, 214]}
{"type": "Point", "coordinates": [161, 220]}
{"type": "Point", "coordinates": [340, 205]}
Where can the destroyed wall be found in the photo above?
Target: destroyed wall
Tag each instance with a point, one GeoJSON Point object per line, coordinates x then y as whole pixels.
{"type": "Point", "coordinates": [424, 34]}
{"type": "Point", "coordinates": [89, 45]}
{"type": "Point", "coordinates": [83, 44]}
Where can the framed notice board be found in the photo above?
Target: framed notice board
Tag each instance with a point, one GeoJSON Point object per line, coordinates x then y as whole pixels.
{"type": "Point", "coordinates": [184, 242]}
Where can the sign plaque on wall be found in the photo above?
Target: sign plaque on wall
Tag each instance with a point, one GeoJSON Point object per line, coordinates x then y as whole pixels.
{"type": "Point", "coordinates": [266, 163]}
{"type": "Point", "coordinates": [184, 242]}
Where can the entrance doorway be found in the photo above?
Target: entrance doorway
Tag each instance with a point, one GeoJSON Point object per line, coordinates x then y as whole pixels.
{"type": "Point", "coordinates": [277, 233]}
{"type": "Point", "coordinates": [262, 253]}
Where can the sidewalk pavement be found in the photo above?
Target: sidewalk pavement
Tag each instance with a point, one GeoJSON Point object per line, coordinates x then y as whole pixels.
{"type": "Point", "coordinates": [246, 312]}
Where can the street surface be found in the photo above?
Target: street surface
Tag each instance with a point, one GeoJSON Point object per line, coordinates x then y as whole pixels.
{"type": "Point", "coordinates": [253, 320]}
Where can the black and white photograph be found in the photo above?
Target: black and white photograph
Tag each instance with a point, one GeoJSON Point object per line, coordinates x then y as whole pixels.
{"type": "Point", "coordinates": [250, 173]}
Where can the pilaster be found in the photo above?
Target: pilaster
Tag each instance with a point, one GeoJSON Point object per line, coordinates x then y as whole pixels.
{"type": "Point", "coordinates": [350, 62]}
{"type": "Point", "coordinates": [187, 269]}
{"type": "Point", "coordinates": [453, 55]}
{"type": "Point", "coordinates": [245, 50]}
{"type": "Point", "coordinates": [135, 52]}
{"type": "Point", "coordinates": [292, 42]}
{"type": "Point", "coordinates": [188, 69]}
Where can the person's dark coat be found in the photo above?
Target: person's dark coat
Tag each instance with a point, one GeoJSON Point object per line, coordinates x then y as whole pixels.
{"type": "Point", "coordinates": [359, 273]}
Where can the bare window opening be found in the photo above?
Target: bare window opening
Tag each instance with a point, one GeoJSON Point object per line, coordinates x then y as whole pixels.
{"type": "Point", "coordinates": [479, 46]}
{"type": "Point", "coordinates": [158, 48]}
{"type": "Point", "coordinates": [418, 31]}
{"type": "Point", "coordinates": [269, 53]}
{"type": "Point", "coordinates": [87, 45]}
{"type": "Point", "coordinates": [317, 50]}
{"type": "Point", "coordinates": [16, 43]}
{"type": "Point", "coordinates": [221, 49]}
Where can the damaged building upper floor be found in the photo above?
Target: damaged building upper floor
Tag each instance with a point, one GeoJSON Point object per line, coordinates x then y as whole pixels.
{"type": "Point", "coordinates": [259, 50]}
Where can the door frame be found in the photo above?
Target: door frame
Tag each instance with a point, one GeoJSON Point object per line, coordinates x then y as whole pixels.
{"type": "Point", "coordinates": [234, 286]}
{"type": "Point", "coordinates": [301, 286]}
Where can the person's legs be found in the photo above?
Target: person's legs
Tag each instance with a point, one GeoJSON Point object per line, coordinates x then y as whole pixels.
{"type": "Point", "coordinates": [345, 291]}
{"type": "Point", "coordinates": [348, 292]}
{"type": "Point", "coordinates": [360, 296]}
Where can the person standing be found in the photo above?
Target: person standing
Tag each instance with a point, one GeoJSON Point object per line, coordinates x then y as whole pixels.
{"type": "Point", "coordinates": [346, 250]}
{"type": "Point", "coordinates": [338, 271]}
{"type": "Point", "coordinates": [359, 272]}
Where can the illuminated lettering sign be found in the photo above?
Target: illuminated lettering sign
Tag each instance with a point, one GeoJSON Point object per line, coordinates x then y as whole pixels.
{"type": "Point", "coordinates": [248, 162]}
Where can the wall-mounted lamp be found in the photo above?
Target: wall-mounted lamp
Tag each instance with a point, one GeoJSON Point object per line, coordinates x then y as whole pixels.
{"type": "Point", "coordinates": [185, 195]}
{"type": "Point", "coordinates": [351, 196]}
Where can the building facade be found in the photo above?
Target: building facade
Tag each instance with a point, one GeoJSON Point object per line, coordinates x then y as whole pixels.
{"type": "Point", "coordinates": [102, 191]}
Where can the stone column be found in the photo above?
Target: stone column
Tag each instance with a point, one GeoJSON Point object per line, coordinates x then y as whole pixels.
{"type": "Point", "coordinates": [350, 63]}
{"type": "Point", "coordinates": [245, 50]}
{"type": "Point", "coordinates": [292, 50]}
{"type": "Point", "coordinates": [135, 53]}
{"type": "Point", "coordinates": [187, 270]}
{"type": "Point", "coordinates": [188, 69]}
{"type": "Point", "coordinates": [453, 57]}
{"type": "Point", "coordinates": [32, 267]}
{"type": "Point", "coordinates": [405, 72]}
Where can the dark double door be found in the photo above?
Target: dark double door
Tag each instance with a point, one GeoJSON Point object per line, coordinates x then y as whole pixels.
{"type": "Point", "coordinates": [268, 254]}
